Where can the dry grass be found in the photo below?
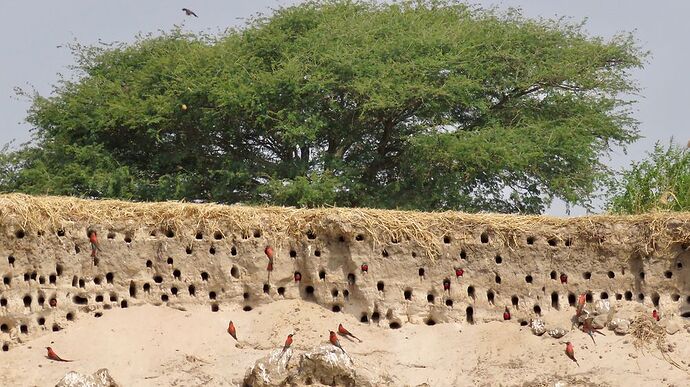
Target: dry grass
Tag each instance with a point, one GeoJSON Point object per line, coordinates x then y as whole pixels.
{"type": "Point", "coordinates": [648, 334]}
{"type": "Point", "coordinates": [644, 232]}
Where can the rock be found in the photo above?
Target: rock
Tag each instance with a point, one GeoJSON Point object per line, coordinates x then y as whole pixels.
{"type": "Point", "coordinates": [100, 378]}
{"type": "Point", "coordinates": [601, 307]}
{"type": "Point", "coordinates": [600, 321]}
{"type": "Point", "coordinates": [331, 366]}
{"type": "Point", "coordinates": [671, 325]}
{"type": "Point", "coordinates": [557, 333]}
{"type": "Point", "coordinates": [537, 327]}
{"type": "Point", "coordinates": [270, 370]}
{"type": "Point", "coordinates": [620, 326]}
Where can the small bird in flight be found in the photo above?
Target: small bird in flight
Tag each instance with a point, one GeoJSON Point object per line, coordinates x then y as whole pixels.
{"type": "Point", "coordinates": [189, 12]}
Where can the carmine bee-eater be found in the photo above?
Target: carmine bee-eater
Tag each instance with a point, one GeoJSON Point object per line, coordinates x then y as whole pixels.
{"type": "Point", "coordinates": [564, 278]}
{"type": "Point", "coordinates": [656, 315]}
{"type": "Point", "coordinates": [298, 276]}
{"type": "Point", "coordinates": [288, 343]}
{"type": "Point", "coordinates": [570, 352]}
{"type": "Point", "coordinates": [232, 331]}
{"type": "Point", "coordinates": [459, 272]}
{"type": "Point", "coordinates": [506, 314]}
{"type": "Point", "coordinates": [333, 338]}
{"type": "Point", "coordinates": [446, 284]}
{"type": "Point", "coordinates": [269, 254]}
{"type": "Point", "coordinates": [589, 329]}
{"type": "Point", "coordinates": [345, 332]}
{"type": "Point", "coordinates": [581, 303]}
{"type": "Point", "coordinates": [365, 268]}
{"type": "Point", "coordinates": [53, 356]}
{"type": "Point", "coordinates": [93, 239]}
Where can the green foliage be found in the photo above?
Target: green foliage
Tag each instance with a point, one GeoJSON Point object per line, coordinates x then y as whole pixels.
{"type": "Point", "coordinates": [661, 182]}
{"type": "Point", "coordinates": [426, 105]}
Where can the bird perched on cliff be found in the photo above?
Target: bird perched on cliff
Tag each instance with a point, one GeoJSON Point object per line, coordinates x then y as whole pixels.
{"type": "Point", "coordinates": [506, 314]}
{"type": "Point", "coordinates": [364, 268]}
{"type": "Point", "coordinates": [656, 315]}
{"type": "Point", "coordinates": [459, 272]}
{"type": "Point", "coordinates": [334, 340]}
{"type": "Point", "coordinates": [446, 285]}
{"type": "Point", "coordinates": [298, 276]}
{"type": "Point", "coordinates": [288, 343]}
{"type": "Point", "coordinates": [346, 333]}
{"type": "Point", "coordinates": [580, 304]}
{"type": "Point", "coordinates": [570, 352]}
{"type": "Point", "coordinates": [93, 239]}
{"type": "Point", "coordinates": [53, 356]}
{"type": "Point", "coordinates": [232, 331]}
{"type": "Point", "coordinates": [564, 279]}
{"type": "Point", "coordinates": [189, 12]}
{"type": "Point", "coordinates": [269, 254]}
{"type": "Point", "coordinates": [52, 302]}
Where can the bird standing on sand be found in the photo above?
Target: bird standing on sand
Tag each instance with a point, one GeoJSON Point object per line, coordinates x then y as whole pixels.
{"type": "Point", "coordinates": [345, 332]}
{"type": "Point", "coordinates": [53, 356]}
{"type": "Point", "coordinates": [269, 253]}
{"type": "Point", "coordinates": [506, 314]}
{"type": "Point", "coordinates": [288, 343]}
{"type": "Point", "coordinates": [570, 352]}
{"type": "Point", "coordinates": [232, 331]}
{"type": "Point", "coordinates": [189, 12]}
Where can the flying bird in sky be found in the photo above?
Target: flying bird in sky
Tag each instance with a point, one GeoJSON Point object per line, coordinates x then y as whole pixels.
{"type": "Point", "coordinates": [189, 12]}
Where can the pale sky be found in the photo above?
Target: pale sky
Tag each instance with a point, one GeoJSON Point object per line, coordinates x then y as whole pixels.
{"type": "Point", "coordinates": [32, 30]}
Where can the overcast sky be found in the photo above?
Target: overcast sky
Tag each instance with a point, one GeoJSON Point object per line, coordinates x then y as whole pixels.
{"type": "Point", "coordinates": [32, 30]}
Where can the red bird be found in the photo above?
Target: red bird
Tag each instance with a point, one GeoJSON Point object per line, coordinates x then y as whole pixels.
{"type": "Point", "coordinates": [459, 272]}
{"type": "Point", "coordinates": [570, 352]}
{"type": "Point", "coordinates": [345, 332]}
{"type": "Point", "coordinates": [365, 268]}
{"type": "Point", "coordinates": [53, 356]}
{"type": "Point", "coordinates": [581, 303]}
{"type": "Point", "coordinates": [589, 329]}
{"type": "Point", "coordinates": [93, 239]}
{"type": "Point", "coordinates": [269, 253]}
{"type": "Point", "coordinates": [232, 331]}
{"type": "Point", "coordinates": [52, 302]}
{"type": "Point", "coordinates": [298, 276]}
{"type": "Point", "coordinates": [564, 278]}
{"type": "Point", "coordinates": [446, 284]}
{"type": "Point", "coordinates": [506, 314]}
{"type": "Point", "coordinates": [288, 343]}
{"type": "Point", "coordinates": [334, 340]}
{"type": "Point", "coordinates": [655, 315]}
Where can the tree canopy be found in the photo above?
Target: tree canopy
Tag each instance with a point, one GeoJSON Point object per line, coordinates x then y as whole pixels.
{"type": "Point", "coordinates": [661, 182]}
{"type": "Point", "coordinates": [418, 105]}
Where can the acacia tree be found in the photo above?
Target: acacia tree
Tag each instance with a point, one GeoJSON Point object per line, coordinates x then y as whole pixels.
{"type": "Point", "coordinates": [426, 105]}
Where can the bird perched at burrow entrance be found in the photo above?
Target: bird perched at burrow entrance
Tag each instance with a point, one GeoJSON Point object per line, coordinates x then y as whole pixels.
{"type": "Point", "coordinates": [288, 343]}
{"type": "Point", "coordinates": [446, 285]}
{"type": "Point", "coordinates": [656, 315]}
{"type": "Point", "coordinates": [570, 352]}
{"type": "Point", "coordinates": [269, 254]}
{"type": "Point", "coordinates": [232, 331]}
{"type": "Point", "coordinates": [298, 276]}
{"type": "Point", "coordinates": [364, 268]}
{"type": "Point", "coordinates": [506, 314]}
{"type": "Point", "coordinates": [333, 338]}
{"type": "Point", "coordinates": [459, 272]}
{"type": "Point", "coordinates": [189, 12]}
{"type": "Point", "coordinates": [581, 300]}
{"type": "Point", "coordinates": [53, 356]}
{"type": "Point", "coordinates": [346, 333]}
{"type": "Point", "coordinates": [93, 240]}
{"type": "Point", "coordinates": [564, 279]}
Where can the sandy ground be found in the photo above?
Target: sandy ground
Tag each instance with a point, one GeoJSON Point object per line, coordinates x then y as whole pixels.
{"type": "Point", "coordinates": [162, 346]}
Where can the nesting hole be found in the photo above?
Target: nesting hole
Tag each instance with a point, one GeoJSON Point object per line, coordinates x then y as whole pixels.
{"type": "Point", "coordinates": [469, 315]}
{"type": "Point", "coordinates": [177, 274]}
{"type": "Point", "coordinates": [628, 296]}
{"type": "Point", "coordinates": [311, 234]}
{"type": "Point", "coordinates": [430, 321]}
{"type": "Point", "coordinates": [4, 328]}
{"type": "Point", "coordinates": [212, 250]}
{"type": "Point", "coordinates": [281, 291]}
{"type": "Point", "coordinates": [70, 316]}
{"type": "Point", "coordinates": [10, 260]}
{"type": "Point", "coordinates": [334, 292]}
{"type": "Point", "coordinates": [588, 297]}
{"type": "Point", "coordinates": [568, 242]}
{"type": "Point", "coordinates": [170, 261]}
{"type": "Point", "coordinates": [79, 300]}
{"type": "Point", "coordinates": [164, 297]}
{"type": "Point", "coordinates": [124, 304]}
{"type": "Point", "coordinates": [212, 295]}
{"type": "Point", "coordinates": [218, 235]}
{"type": "Point", "coordinates": [98, 314]}
{"type": "Point", "coordinates": [553, 242]}
{"type": "Point", "coordinates": [58, 269]}
{"type": "Point", "coordinates": [173, 290]}
{"type": "Point", "coordinates": [484, 237]}
{"type": "Point", "coordinates": [247, 308]}
{"type": "Point", "coordinates": [421, 272]}
{"type": "Point", "coordinates": [188, 250]}
{"type": "Point", "coordinates": [571, 299]}
{"type": "Point", "coordinates": [490, 297]}
{"type": "Point", "coordinates": [19, 234]}
{"type": "Point", "coordinates": [147, 287]}
{"type": "Point", "coordinates": [204, 276]}
{"type": "Point", "coordinates": [611, 274]}
{"type": "Point", "coordinates": [642, 275]}
{"type": "Point", "coordinates": [111, 235]}
{"type": "Point", "coordinates": [498, 259]}
{"type": "Point", "coordinates": [528, 279]}
{"type": "Point", "coordinates": [470, 292]}
{"type": "Point", "coordinates": [266, 288]}
{"type": "Point", "coordinates": [3, 301]}
{"type": "Point", "coordinates": [375, 317]}
{"type": "Point", "coordinates": [514, 300]}
{"type": "Point", "coordinates": [199, 235]}
{"type": "Point", "coordinates": [553, 275]}
{"type": "Point", "coordinates": [619, 296]}
{"type": "Point", "coordinates": [27, 300]}
{"type": "Point", "coordinates": [235, 272]}
{"type": "Point", "coordinates": [149, 264]}
{"type": "Point", "coordinates": [463, 254]}
{"type": "Point", "coordinates": [384, 253]}
{"type": "Point", "coordinates": [537, 310]}
{"type": "Point", "coordinates": [587, 275]}
{"type": "Point", "coordinates": [640, 297]}
{"type": "Point", "coordinates": [359, 237]}
{"type": "Point", "coordinates": [109, 277]}
{"type": "Point", "coordinates": [215, 308]}
{"type": "Point", "coordinates": [322, 274]}
{"type": "Point", "coordinates": [41, 321]}
{"type": "Point", "coordinates": [449, 302]}
{"type": "Point", "coordinates": [530, 240]}
{"type": "Point", "coordinates": [380, 286]}
{"type": "Point", "coordinates": [351, 279]}
{"type": "Point", "coordinates": [394, 325]}
{"type": "Point", "coordinates": [293, 254]}
{"type": "Point", "coordinates": [233, 251]}
{"type": "Point", "coordinates": [157, 279]}
{"type": "Point", "coordinates": [407, 294]}
{"type": "Point", "coordinates": [446, 239]}
{"type": "Point", "coordinates": [25, 329]}
{"type": "Point", "coordinates": [668, 274]}
{"type": "Point", "coordinates": [310, 290]}
{"type": "Point", "coordinates": [7, 280]}
{"type": "Point", "coordinates": [554, 300]}
{"type": "Point", "coordinates": [82, 283]}
{"type": "Point", "coordinates": [364, 318]}
{"type": "Point", "coordinates": [430, 298]}
{"type": "Point", "coordinates": [192, 290]}
{"type": "Point", "coordinates": [604, 296]}
{"type": "Point", "coordinates": [336, 308]}
{"type": "Point", "coordinates": [346, 293]}
{"type": "Point", "coordinates": [245, 295]}
{"type": "Point", "coordinates": [675, 297]}
{"type": "Point", "coordinates": [99, 298]}
{"type": "Point", "coordinates": [128, 239]}
{"type": "Point", "coordinates": [169, 233]}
